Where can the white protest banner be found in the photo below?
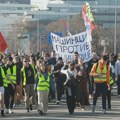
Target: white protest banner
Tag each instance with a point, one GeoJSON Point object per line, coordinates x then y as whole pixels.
{"type": "Point", "coordinates": [66, 46]}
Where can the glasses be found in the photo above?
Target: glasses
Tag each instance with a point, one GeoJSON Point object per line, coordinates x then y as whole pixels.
{"type": "Point", "coordinates": [25, 61]}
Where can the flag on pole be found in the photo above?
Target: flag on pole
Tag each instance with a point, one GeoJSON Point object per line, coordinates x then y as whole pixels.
{"type": "Point", "coordinates": [49, 36]}
{"type": "Point", "coordinates": [89, 26]}
{"type": "Point", "coordinates": [88, 17]}
{"type": "Point", "coordinates": [3, 44]}
{"type": "Point", "coordinates": [89, 12]}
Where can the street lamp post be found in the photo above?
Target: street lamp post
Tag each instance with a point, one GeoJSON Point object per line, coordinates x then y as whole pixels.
{"type": "Point", "coordinates": [38, 30]}
{"type": "Point", "coordinates": [115, 40]}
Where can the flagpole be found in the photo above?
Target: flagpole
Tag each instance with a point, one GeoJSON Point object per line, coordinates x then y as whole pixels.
{"type": "Point", "coordinates": [15, 42]}
{"type": "Point", "coordinates": [67, 16]}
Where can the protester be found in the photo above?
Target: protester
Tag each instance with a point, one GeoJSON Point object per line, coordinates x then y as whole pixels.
{"type": "Point", "coordinates": [59, 79]}
{"type": "Point", "coordinates": [3, 83]}
{"type": "Point", "coordinates": [11, 75]}
{"type": "Point", "coordinates": [28, 80]}
{"type": "Point", "coordinates": [109, 90]}
{"type": "Point", "coordinates": [117, 73]}
{"type": "Point", "coordinates": [91, 78]}
{"type": "Point", "coordinates": [113, 59]}
{"type": "Point", "coordinates": [53, 59]}
{"type": "Point", "coordinates": [18, 92]}
{"type": "Point", "coordinates": [101, 73]}
{"type": "Point", "coordinates": [70, 85]}
{"type": "Point", "coordinates": [82, 91]}
{"type": "Point", "coordinates": [76, 57]}
{"type": "Point", "coordinates": [43, 87]}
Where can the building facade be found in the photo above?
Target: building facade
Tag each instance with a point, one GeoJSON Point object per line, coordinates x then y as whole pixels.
{"type": "Point", "coordinates": [103, 10]}
{"type": "Point", "coordinates": [16, 1]}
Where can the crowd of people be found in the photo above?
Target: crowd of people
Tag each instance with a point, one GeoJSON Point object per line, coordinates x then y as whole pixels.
{"type": "Point", "coordinates": [38, 79]}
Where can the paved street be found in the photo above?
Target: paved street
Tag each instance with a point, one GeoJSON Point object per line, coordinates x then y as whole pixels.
{"type": "Point", "coordinates": [60, 112]}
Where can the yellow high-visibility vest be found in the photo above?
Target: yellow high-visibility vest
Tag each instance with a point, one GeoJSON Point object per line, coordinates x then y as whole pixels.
{"type": "Point", "coordinates": [3, 77]}
{"type": "Point", "coordinates": [111, 81]}
{"type": "Point", "coordinates": [24, 74]}
{"type": "Point", "coordinates": [13, 75]}
{"type": "Point", "coordinates": [101, 78]}
{"type": "Point", "coordinates": [43, 85]}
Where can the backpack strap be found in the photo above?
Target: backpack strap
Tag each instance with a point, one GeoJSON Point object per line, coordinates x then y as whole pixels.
{"type": "Point", "coordinates": [97, 65]}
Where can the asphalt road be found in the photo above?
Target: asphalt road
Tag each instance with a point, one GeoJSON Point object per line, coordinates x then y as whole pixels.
{"type": "Point", "coordinates": [60, 112]}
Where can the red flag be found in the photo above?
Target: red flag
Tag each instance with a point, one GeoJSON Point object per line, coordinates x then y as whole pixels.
{"type": "Point", "coordinates": [83, 11]}
{"type": "Point", "coordinates": [92, 26]}
{"type": "Point", "coordinates": [3, 44]}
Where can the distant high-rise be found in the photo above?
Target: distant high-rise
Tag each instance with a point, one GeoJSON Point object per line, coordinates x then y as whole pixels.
{"type": "Point", "coordinates": [16, 1]}
{"type": "Point", "coordinates": [40, 4]}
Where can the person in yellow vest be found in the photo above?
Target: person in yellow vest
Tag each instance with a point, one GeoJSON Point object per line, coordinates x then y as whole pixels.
{"type": "Point", "coordinates": [43, 86]}
{"type": "Point", "coordinates": [18, 92]}
{"type": "Point", "coordinates": [102, 81]}
{"type": "Point", "coordinates": [28, 80]}
{"type": "Point", "coordinates": [2, 85]}
{"type": "Point", "coordinates": [10, 72]}
{"type": "Point", "coordinates": [32, 62]}
{"type": "Point", "coordinates": [112, 81]}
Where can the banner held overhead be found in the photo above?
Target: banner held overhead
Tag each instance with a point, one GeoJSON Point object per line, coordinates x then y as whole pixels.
{"type": "Point", "coordinates": [66, 46]}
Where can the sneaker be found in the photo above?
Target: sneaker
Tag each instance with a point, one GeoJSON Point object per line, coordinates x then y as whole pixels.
{"type": "Point", "coordinates": [104, 111]}
{"type": "Point", "coordinates": [93, 109]}
{"type": "Point", "coordinates": [90, 96]}
{"type": "Point", "coordinates": [40, 112]}
{"type": "Point", "coordinates": [10, 111]}
{"type": "Point", "coordinates": [83, 108]}
{"type": "Point", "coordinates": [7, 111]}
